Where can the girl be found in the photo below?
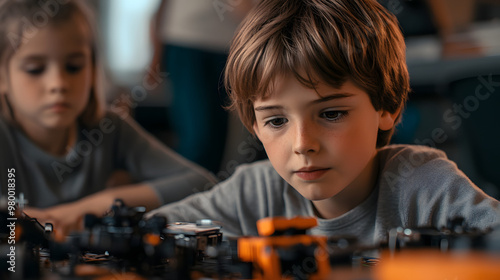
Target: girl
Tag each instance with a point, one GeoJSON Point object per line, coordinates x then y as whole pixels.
{"type": "Point", "coordinates": [55, 135]}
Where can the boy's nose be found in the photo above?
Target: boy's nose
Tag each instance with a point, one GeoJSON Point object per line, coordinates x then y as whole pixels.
{"type": "Point", "coordinates": [306, 141]}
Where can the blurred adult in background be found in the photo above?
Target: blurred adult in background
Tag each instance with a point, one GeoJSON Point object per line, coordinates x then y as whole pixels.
{"type": "Point", "coordinates": [455, 17]}
{"type": "Point", "coordinates": [191, 38]}
{"type": "Point", "coordinates": [444, 18]}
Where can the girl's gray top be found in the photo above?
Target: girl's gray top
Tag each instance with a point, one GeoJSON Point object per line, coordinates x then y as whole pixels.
{"type": "Point", "coordinates": [417, 186]}
{"type": "Point", "coordinates": [115, 144]}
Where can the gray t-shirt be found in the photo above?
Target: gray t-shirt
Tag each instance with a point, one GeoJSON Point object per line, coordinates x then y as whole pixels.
{"type": "Point", "coordinates": [416, 186]}
{"type": "Point", "coordinates": [114, 144]}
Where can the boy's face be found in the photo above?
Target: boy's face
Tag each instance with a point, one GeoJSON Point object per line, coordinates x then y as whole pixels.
{"type": "Point", "coordinates": [320, 144]}
{"type": "Point", "coordinates": [50, 76]}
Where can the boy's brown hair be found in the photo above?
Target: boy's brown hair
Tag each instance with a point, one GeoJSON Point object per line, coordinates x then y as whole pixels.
{"type": "Point", "coordinates": [21, 19]}
{"type": "Point", "coordinates": [319, 40]}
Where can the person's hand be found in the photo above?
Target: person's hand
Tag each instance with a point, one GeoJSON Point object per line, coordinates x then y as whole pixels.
{"type": "Point", "coordinates": [68, 217]}
{"type": "Point", "coordinates": [65, 218]}
{"type": "Point", "coordinates": [461, 45]}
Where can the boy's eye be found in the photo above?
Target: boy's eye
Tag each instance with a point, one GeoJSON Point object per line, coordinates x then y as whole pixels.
{"type": "Point", "coordinates": [333, 115]}
{"type": "Point", "coordinates": [276, 122]}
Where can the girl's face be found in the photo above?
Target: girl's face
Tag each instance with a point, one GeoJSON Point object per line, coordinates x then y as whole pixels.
{"type": "Point", "coordinates": [322, 144]}
{"type": "Point", "coordinates": [50, 76]}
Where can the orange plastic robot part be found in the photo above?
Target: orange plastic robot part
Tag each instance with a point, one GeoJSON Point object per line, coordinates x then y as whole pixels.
{"type": "Point", "coordinates": [262, 251]}
{"type": "Point", "coordinates": [435, 265]}
{"type": "Point", "coordinates": [271, 225]}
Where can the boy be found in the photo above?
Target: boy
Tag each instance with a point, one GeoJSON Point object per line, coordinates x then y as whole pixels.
{"type": "Point", "coordinates": [322, 84]}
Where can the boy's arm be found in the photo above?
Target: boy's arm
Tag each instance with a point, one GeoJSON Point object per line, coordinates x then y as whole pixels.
{"type": "Point", "coordinates": [253, 192]}
{"type": "Point", "coordinates": [218, 205]}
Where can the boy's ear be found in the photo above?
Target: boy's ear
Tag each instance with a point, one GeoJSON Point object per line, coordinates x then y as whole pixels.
{"type": "Point", "coordinates": [387, 119]}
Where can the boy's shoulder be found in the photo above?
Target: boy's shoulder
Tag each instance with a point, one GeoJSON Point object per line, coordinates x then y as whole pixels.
{"type": "Point", "coordinates": [257, 170]}
{"type": "Point", "coordinates": [416, 154]}
{"type": "Point", "coordinates": [263, 165]}
{"type": "Point", "coordinates": [250, 179]}
{"type": "Point", "coordinates": [411, 171]}
{"type": "Point", "coordinates": [414, 167]}
{"type": "Point", "coordinates": [426, 188]}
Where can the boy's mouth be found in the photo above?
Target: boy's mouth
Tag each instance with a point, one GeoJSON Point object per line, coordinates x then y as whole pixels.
{"type": "Point", "coordinates": [311, 173]}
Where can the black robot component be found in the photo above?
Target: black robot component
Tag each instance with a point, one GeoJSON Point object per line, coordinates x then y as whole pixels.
{"type": "Point", "coordinates": [129, 240]}
{"type": "Point", "coordinates": [196, 236]}
{"type": "Point", "coordinates": [192, 241]}
{"type": "Point", "coordinates": [455, 235]}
